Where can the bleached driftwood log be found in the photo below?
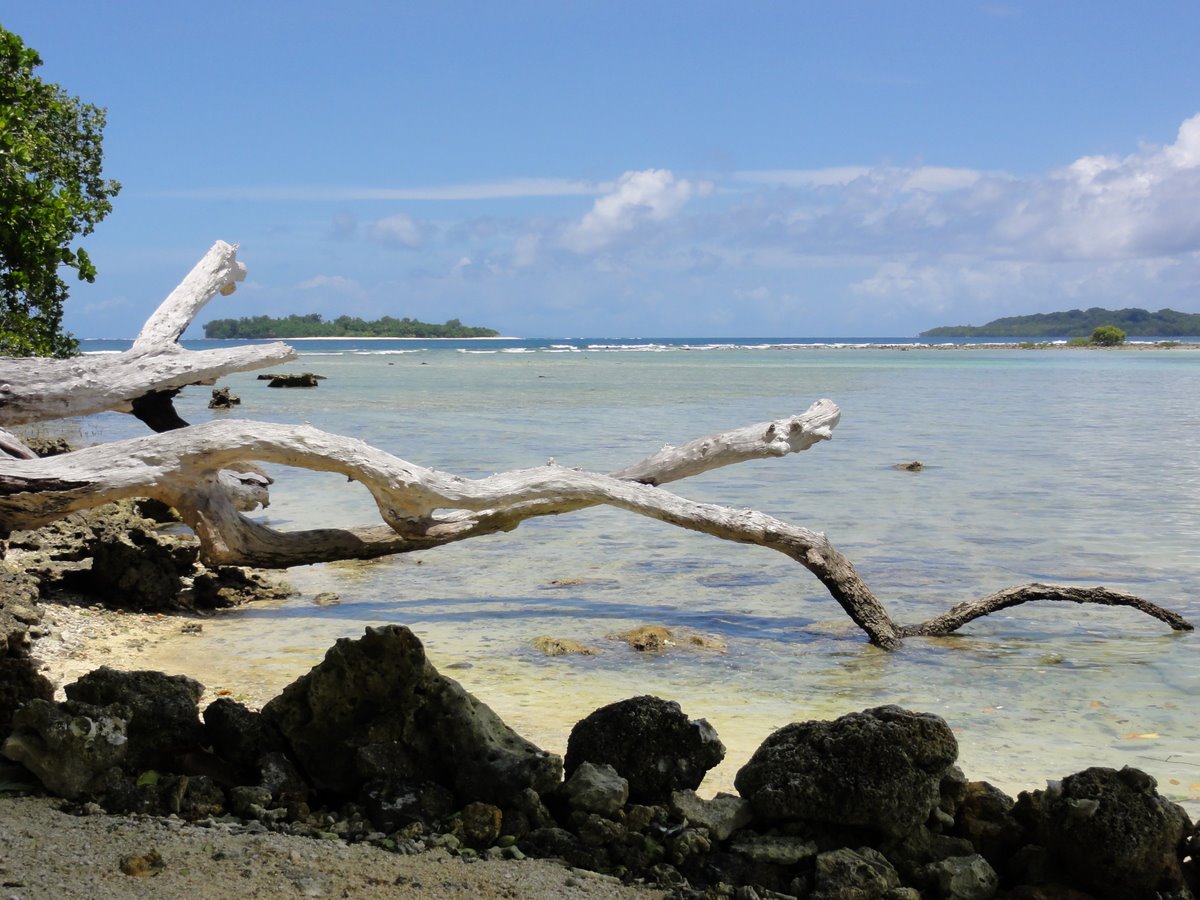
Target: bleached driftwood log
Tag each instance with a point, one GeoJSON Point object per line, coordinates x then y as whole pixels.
{"type": "Point", "coordinates": [207, 473]}
{"type": "Point", "coordinates": [35, 390]}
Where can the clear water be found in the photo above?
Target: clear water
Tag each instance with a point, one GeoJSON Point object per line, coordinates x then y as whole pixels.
{"type": "Point", "coordinates": [1074, 467]}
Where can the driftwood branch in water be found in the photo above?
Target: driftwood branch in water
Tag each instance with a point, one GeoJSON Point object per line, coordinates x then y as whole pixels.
{"type": "Point", "coordinates": [35, 390]}
{"type": "Point", "coordinates": [207, 472]}
{"type": "Point", "coordinates": [958, 616]}
{"type": "Point", "coordinates": [425, 508]}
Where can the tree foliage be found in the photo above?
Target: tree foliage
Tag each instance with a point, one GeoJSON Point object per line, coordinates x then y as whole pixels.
{"type": "Point", "coordinates": [1108, 336]}
{"type": "Point", "coordinates": [51, 191]}
{"type": "Point", "coordinates": [313, 325]}
{"type": "Point", "coordinates": [1080, 323]}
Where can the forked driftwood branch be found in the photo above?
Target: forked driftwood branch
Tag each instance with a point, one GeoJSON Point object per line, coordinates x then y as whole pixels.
{"type": "Point", "coordinates": [206, 472]}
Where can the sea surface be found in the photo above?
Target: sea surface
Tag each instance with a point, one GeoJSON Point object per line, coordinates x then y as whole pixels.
{"type": "Point", "coordinates": [1078, 467]}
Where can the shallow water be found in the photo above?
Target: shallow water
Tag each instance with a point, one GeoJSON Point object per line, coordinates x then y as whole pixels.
{"type": "Point", "coordinates": [1076, 467]}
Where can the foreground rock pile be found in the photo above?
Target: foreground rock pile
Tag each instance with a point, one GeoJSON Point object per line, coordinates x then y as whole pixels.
{"type": "Point", "coordinates": [375, 745]}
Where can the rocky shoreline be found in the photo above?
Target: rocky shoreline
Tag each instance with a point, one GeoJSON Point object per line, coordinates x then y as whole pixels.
{"type": "Point", "coordinates": [374, 771]}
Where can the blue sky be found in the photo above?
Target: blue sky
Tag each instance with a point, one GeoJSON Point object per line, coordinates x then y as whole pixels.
{"type": "Point", "coordinates": [644, 168]}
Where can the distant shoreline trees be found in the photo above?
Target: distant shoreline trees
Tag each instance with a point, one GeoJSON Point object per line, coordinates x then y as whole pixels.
{"type": "Point", "coordinates": [1080, 323]}
{"type": "Point", "coordinates": [313, 325]}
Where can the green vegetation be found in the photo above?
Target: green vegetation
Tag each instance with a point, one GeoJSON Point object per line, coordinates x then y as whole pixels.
{"type": "Point", "coordinates": [1108, 336]}
{"type": "Point", "coordinates": [312, 325]}
{"type": "Point", "coordinates": [51, 191]}
{"type": "Point", "coordinates": [1080, 323]}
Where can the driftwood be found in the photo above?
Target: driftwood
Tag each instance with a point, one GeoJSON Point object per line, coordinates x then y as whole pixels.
{"type": "Point", "coordinates": [207, 473]}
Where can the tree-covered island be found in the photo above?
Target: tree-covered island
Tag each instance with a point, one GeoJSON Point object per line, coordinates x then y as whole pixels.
{"type": "Point", "coordinates": [313, 325]}
{"type": "Point", "coordinates": [1080, 323]}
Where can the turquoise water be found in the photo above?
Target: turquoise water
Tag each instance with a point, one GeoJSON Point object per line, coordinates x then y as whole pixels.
{"type": "Point", "coordinates": [1075, 467]}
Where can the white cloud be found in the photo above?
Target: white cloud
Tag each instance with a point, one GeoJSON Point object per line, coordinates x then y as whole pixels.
{"type": "Point", "coordinates": [651, 195]}
{"type": "Point", "coordinates": [399, 230]}
{"type": "Point", "coordinates": [338, 284]}
{"type": "Point", "coordinates": [510, 189]}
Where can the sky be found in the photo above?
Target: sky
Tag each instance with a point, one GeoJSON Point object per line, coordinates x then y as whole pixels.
{"type": "Point", "coordinates": [640, 169]}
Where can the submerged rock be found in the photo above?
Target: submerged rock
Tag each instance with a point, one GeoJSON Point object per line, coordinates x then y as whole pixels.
{"type": "Point", "coordinates": [650, 742]}
{"type": "Point", "coordinates": [880, 769]}
{"type": "Point", "coordinates": [222, 399]}
{"type": "Point", "coordinates": [379, 700]}
{"type": "Point", "coordinates": [302, 379]}
{"type": "Point", "coordinates": [553, 646]}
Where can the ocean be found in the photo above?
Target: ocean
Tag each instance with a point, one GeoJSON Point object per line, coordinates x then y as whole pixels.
{"type": "Point", "coordinates": [1078, 467]}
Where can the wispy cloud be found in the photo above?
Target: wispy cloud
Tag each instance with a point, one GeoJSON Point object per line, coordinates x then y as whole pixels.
{"type": "Point", "coordinates": [512, 189]}
{"type": "Point", "coordinates": [399, 230]}
{"type": "Point", "coordinates": [337, 284]}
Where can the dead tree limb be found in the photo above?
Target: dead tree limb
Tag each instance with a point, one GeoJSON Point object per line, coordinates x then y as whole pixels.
{"type": "Point", "coordinates": [34, 390]}
{"type": "Point", "coordinates": [207, 472]}
{"type": "Point", "coordinates": [958, 616]}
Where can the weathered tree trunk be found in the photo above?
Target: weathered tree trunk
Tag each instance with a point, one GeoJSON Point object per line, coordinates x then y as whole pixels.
{"type": "Point", "coordinates": [35, 390]}
{"type": "Point", "coordinates": [207, 473]}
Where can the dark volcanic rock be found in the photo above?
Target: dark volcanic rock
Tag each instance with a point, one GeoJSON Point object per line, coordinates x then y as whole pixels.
{"type": "Point", "coordinates": [880, 769]}
{"type": "Point", "coordinates": [139, 567]}
{"type": "Point", "coordinates": [1110, 832]}
{"type": "Point", "coordinates": [376, 704]}
{"type": "Point", "coordinates": [222, 399]}
{"type": "Point", "coordinates": [303, 379]}
{"type": "Point", "coordinates": [70, 747]}
{"type": "Point", "coordinates": [238, 735]}
{"type": "Point", "coordinates": [650, 742]}
{"type": "Point", "coordinates": [18, 611]}
{"type": "Point", "coordinates": [20, 682]}
{"type": "Point", "coordinates": [163, 717]}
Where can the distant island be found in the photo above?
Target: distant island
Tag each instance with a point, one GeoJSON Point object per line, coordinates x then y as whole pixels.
{"type": "Point", "coordinates": [1080, 323]}
{"type": "Point", "coordinates": [313, 326]}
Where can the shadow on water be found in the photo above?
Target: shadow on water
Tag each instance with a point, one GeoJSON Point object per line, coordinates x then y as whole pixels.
{"type": "Point", "coordinates": [568, 608]}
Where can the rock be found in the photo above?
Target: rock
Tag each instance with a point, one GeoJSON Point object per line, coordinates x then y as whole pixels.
{"type": "Point", "coordinates": [20, 682]}
{"type": "Point", "coordinates": [597, 789]}
{"type": "Point", "coordinates": [45, 445]}
{"type": "Point", "coordinates": [163, 716]}
{"type": "Point", "coordinates": [18, 611]}
{"type": "Point", "coordinates": [647, 638]}
{"type": "Point", "coordinates": [1109, 832]}
{"type": "Point", "coordinates": [650, 742]}
{"type": "Point", "coordinates": [781, 850]}
{"type": "Point", "coordinates": [525, 813]}
{"type": "Point", "coordinates": [862, 874]}
{"type": "Point", "coordinates": [222, 399]}
{"type": "Point", "coordinates": [721, 816]}
{"type": "Point", "coordinates": [963, 878]}
{"type": "Point", "coordinates": [142, 865]}
{"type": "Point", "coordinates": [239, 735]}
{"type": "Point", "coordinates": [479, 824]}
{"type": "Point", "coordinates": [303, 379]}
{"type": "Point", "coordinates": [551, 842]}
{"type": "Point", "coordinates": [915, 466]}
{"type": "Point", "coordinates": [880, 769]}
{"type": "Point", "coordinates": [552, 646]}
{"type": "Point", "coordinates": [227, 586]}
{"type": "Point", "coordinates": [379, 697]}
{"type": "Point", "coordinates": [984, 817]}
{"type": "Point", "coordinates": [69, 746]}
